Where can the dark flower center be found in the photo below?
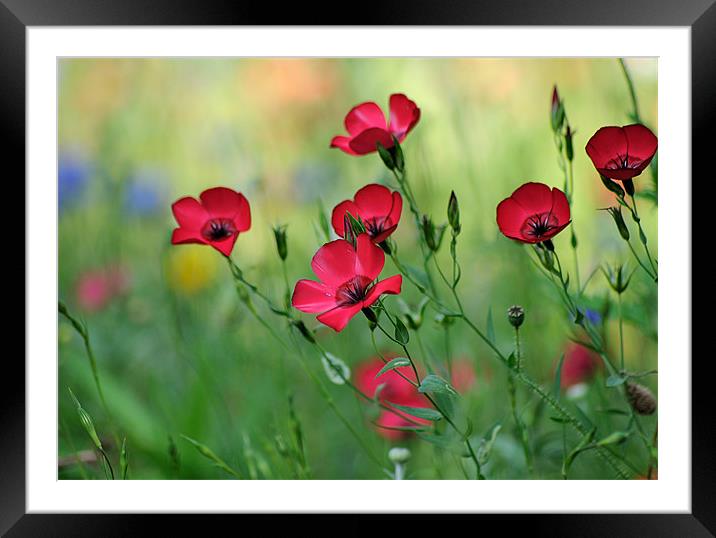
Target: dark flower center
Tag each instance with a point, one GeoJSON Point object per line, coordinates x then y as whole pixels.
{"type": "Point", "coordinates": [539, 225]}
{"type": "Point", "coordinates": [376, 225]}
{"type": "Point", "coordinates": [623, 162]}
{"type": "Point", "coordinates": [353, 291]}
{"type": "Point", "coordinates": [218, 229]}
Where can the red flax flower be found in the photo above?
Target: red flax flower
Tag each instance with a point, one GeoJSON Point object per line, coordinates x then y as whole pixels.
{"type": "Point", "coordinates": [377, 207]}
{"type": "Point", "coordinates": [579, 366]}
{"type": "Point", "coordinates": [215, 219]}
{"type": "Point", "coordinates": [366, 125]}
{"type": "Point", "coordinates": [534, 213]}
{"type": "Point", "coordinates": [622, 153]}
{"type": "Point", "coordinates": [346, 286]}
{"type": "Point", "coordinates": [395, 390]}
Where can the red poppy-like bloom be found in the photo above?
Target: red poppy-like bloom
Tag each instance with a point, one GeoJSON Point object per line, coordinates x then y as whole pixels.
{"type": "Point", "coordinates": [534, 213]}
{"type": "Point", "coordinates": [395, 390]}
{"type": "Point", "coordinates": [622, 153]}
{"type": "Point", "coordinates": [346, 286]}
{"type": "Point", "coordinates": [366, 125]}
{"type": "Point", "coordinates": [215, 219]}
{"type": "Point", "coordinates": [378, 208]}
{"type": "Point", "coordinates": [579, 365]}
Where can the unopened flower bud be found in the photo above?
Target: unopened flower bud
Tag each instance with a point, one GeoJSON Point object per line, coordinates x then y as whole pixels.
{"type": "Point", "coordinates": [372, 317]}
{"type": "Point", "coordinates": [304, 330]}
{"type": "Point", "coordinates": [453, 213]}
{"type": "Point", "coordinates": [616, 213]}
{"type": "Point", "coordinates": [398, 455]}
{"type": "Point", "coordinates": [568, 147]}
{"type": "Point", "coordinates": [557, 111]}
{"type": "Point", "coordinates": [642, 400]}
{"type": "Point", "coordinates": [279, 233]}
{"type": "Point", "coordinates": [616, 278]}
{"type": "Point", "coordinates": [516, 315]}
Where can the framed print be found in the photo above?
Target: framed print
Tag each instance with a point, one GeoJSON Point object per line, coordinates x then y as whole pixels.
{"type": "Point", "coordinates": [293, 277]}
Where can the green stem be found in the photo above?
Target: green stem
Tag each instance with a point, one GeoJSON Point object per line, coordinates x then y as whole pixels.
{"type": "Point", "coordinates": [632, 91]}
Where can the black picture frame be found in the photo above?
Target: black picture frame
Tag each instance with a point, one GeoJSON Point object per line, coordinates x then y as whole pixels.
{"type": "Point", "coordinates": [17, 15]}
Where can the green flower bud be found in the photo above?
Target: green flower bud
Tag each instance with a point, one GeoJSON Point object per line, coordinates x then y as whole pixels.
{"type": "Point", "coordinates": [568, 147]}
{"type": "Point", "coordinates": [616, 213]}
{"type": "Point", "coordinates": [557, 111]}
{"type": "Point", "coordinates": [453, 213]}
{"type": "Point", "coordinates": [279, 233]}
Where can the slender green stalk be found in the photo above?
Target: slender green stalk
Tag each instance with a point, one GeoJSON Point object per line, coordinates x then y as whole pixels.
{"type": "Point", "coordinates": [621, 332]}
{"type": "Point", "coordinates": [82, 329]}
{"type": "Point", "coordinates": [632, 92]}
{"type": "Point", "coordinates": [512, 390]}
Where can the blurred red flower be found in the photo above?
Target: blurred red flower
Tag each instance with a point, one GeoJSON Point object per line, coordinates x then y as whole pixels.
{"type": "Point", "coordinates": [533, 213]}
{"type": "Point", "coordinates": [366, 125]}
{"type": "Point", "coordinates": [377, 207]}
{"type": "Point", "coordinates": [95, 289]}
{"type": "Point", "coordinates": [463, 374]}
{"type": "Point", "coordinates": [395, 390]}
{"type": "Point", "coordinates": [579, 366]}
{"type": "Point", "coordinates": [346, 286]}
{"type": "Point", "coordinates": [622, 153]}
{"type": "Point", "coordinates": [216, 220]}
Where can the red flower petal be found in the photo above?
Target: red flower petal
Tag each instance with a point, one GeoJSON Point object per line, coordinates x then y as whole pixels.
{"type": "Point", "coordinates": [182, 236]}
{"type": "Point", "coordinates": [510, 218]}
{"type": "Point", "coordinates": [606, 144]}
{"type": "Point", "coordinates": [225, 246]}
{"type": "Point", "coordinates": [311, 296]}
{"type": "Point", "coordinates": [367, 141]}
{"type": "Point", "coordinates": [641, 142]}
{"type": "Point", "coordinates": [560, 206]}
{"type": "Point", "coordinates": [369, 258]}
{"type": "Point", "coordinates": [342, 142]}
{"type": "Point", "coordinates": [396, 209]}
{"type": "Point", "coordinates": [533, 197]}
{"type": "Point", "coordinates": [364, 116]}
{"type": "Point", "coordinates": [335, 263]}
{"type": "Point", "coordinates": [404, 114]}
{"type": "Point", "coordinates": [390, 285]}
{"type": "Point", "coordinates": [339, 213]}
{"type": "Point", "coordinates": [374, 201]}
{"type": "Point", "coordinates": [221, 202]}
{"type": "Point", "coordinates": [338, 317]}
{"type": "Point", "coordinates": [189, 213]}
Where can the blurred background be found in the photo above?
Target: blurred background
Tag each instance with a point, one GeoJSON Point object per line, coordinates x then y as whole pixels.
{"type": "Point", "coordinates": [177, 352]}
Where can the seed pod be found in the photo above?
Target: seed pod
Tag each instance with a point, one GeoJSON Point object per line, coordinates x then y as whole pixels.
{"type": "Point", "coordinates": [516, 315]}
{"type": "Point", "coordinates": [641, 398]}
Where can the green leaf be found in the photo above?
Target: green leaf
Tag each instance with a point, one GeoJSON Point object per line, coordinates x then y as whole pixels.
{"type": "Point", "coordinates": [486, 444]}
{"type": "Point", "coordinates": [123, 460]}
{"type": "Point", "coordinates": [393, 364]}
{"type": "Point", "coordinates": [337, 371]}
{"type": "Point", "coordinates": [558, 378]}
{"type": "Point", "coordinates": [421, 412]}
{"type": "Point", "coordinates": [615, 380]}
{"type": "Point", "coordinates": [210, 455]}
{"type": "Point", "coordinates": [418, 276]}
{"type": "Point", "coordinates": [436, 384]}
{"type": "Point", "coordinates": [583, 445]}
{"type": "Point", "coordinates": [86, 421]}
{"type": "Point", "coordinates": [559, 420]}
{"type": "Point", "coordinates": [490, 326]}
{"type": "Point", "coordinates": [401, 332]}
{"type": "Point", "coordinates": [439, 440]}
{"type": "Point", "coordinates": [614, 438]}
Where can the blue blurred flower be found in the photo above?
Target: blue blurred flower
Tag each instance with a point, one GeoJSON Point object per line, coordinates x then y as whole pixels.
{"type": "Point", "coordinates": [73, 171]}
{"type": "Point", "coordinates": [593, 316]}
{"type": "Point", "coordinates": [145, 192]}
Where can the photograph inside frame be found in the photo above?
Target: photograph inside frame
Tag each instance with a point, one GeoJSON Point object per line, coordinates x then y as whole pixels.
{"type": "Point", "coordinates": [375, 268]}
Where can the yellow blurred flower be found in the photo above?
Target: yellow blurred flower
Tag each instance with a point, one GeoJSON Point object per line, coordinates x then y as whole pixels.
{"type": "Point", "coordinates": [190, 268]}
